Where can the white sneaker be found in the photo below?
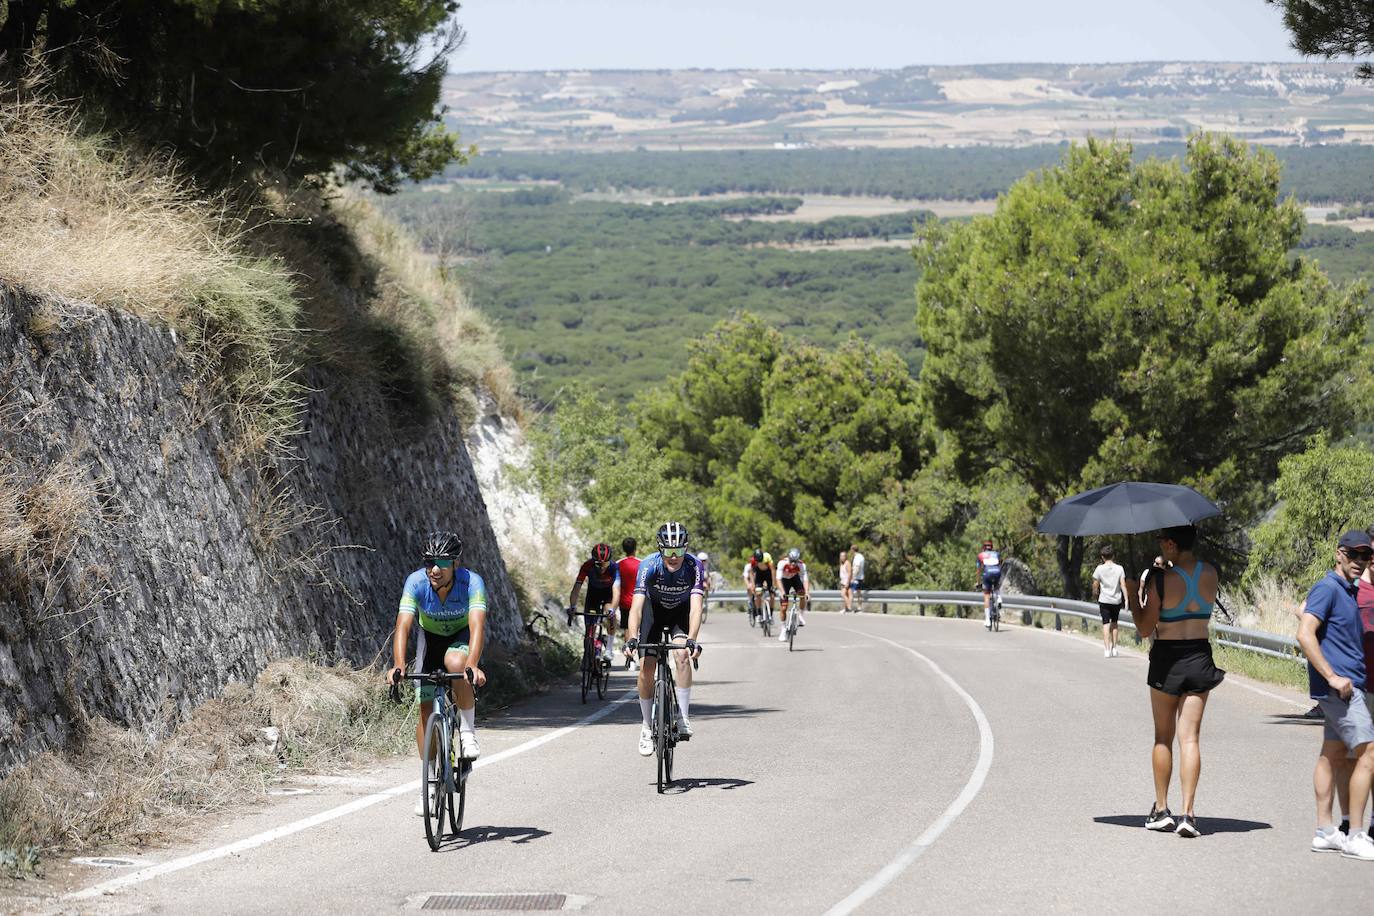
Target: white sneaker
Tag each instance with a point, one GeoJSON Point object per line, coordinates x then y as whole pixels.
{"type": "Point", "coordinates": [1328, 842]}
{"type": "Point", "coordinates": [420, 805]}
{"type": "Point", "coordinates": [1116, 650]}
{"type": "Point", "coordinates": [1359, 846]}
{"type": "Point", "coordinates": [1106, 653]}
{"type": "Point", "coordinates": [646, 741]}
{"type": "Point", "coordinates": [467, 746]}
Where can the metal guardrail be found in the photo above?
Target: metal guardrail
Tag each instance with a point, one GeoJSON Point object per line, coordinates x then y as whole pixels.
{"type": "Point", "coordinates": [1233, 637]}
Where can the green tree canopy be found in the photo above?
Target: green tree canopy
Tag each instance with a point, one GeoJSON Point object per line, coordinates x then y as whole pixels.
{"type": "Point", "coordinates": [1114, 320]}
{"type": "Point", "coordinates": [295, 86]}
{"type": "Point", "coordinates": [1331, 28]}
{"type": "Point", "coordinates": [1322, 492]}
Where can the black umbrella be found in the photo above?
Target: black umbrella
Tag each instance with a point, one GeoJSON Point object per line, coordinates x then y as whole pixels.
{"type": "Point", "coordinates": [1127, 508]}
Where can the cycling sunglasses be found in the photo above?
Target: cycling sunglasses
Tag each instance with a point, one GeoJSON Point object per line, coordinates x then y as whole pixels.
{"type": "Point", "coordinates": [673, 552]}
{"type": "Point", "coordinates": [441, 562]}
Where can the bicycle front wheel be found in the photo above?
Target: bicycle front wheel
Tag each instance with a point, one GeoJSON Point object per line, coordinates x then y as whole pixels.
{"type": "Point", "coordinates": [587, 660]}
{"type": "Point", "coordinates": [456, 806]}
{"type": "Point", "coordinates": [791, 629]}
{"type": "Point", "coordinates": [663, 719]}
{"type": "Point", "coordinates": [433, 781]}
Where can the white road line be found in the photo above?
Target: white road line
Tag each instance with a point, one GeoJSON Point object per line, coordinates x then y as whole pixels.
{"type": "Point", "coordinates": [890, 871]}
{"type": "Point", "coordinates": [367, 801]}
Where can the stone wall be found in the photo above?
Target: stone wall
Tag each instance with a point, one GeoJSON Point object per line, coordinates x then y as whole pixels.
{"type": "Point", "coordinates": [163, 568]}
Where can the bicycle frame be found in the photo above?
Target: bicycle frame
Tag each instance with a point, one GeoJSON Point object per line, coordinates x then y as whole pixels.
{"type": "Point", "coordinates": [666, 713]}
{"type": "Point", "coordinates": [451, 771]}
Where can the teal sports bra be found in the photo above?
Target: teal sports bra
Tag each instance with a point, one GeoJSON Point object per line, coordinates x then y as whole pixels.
{"type": "Point", "coordinates": [1179, 611]}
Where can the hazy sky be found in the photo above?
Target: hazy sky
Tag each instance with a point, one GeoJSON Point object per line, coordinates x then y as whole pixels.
{"type": "Point", "coordinates": [635, 34]}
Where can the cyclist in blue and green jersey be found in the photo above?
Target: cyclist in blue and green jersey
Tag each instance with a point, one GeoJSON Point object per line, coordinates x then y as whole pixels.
{"type": "Point", "coordinates": [450, 605]}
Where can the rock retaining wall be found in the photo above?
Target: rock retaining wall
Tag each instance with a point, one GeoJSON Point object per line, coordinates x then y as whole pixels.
{"type": "Point", "coordinates": [142, 568]}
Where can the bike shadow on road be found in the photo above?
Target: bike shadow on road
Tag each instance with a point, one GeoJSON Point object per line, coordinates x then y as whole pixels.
{"type": "Point", "coordinates": [679, 786]}
{"type": "Point", "coordinates": [705, 711]}
{"type": "Point", "coordinates": [474, 835]}
{"type": "Point", "coordinates": [1205, 824]}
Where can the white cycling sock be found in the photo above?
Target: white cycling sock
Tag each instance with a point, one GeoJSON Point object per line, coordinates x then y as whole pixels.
{"type": "Point", "coordinates": [646, 708]}
{"type": "Point", "coordinates": [684, 699]}
{"type": "Point", "coordinates": [466, 719]}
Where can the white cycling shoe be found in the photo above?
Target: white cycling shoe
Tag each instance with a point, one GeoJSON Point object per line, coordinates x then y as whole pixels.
{"type": "Point", "coordinates": [420, 806]}
{"type": "Point", "coordinates": [646, 741]}
{"type": "Point", "coordinates": [468, 747]}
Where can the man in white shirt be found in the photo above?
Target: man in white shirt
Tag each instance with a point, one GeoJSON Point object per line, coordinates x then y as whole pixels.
{"type": "Point", "coordinates": [1108, 590]}
{"type": "Point", "coordinates": [856, 582]}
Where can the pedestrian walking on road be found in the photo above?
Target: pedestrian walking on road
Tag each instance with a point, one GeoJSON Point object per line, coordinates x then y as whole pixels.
{"type": "Point", "coordinates": [856, 577]}
{"type": "Point", "coordinates": [1109, 590]}
{"type": "Point", "coordinates": [1332, 637]}
{"type": "Point", "coordinates": [846, 572]}
{"type": "Point", "coordinates": [1176, 612]}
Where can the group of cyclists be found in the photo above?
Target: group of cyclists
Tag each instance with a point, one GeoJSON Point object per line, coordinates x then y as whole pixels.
{"type": "Point", "coordinates": [666, 603]}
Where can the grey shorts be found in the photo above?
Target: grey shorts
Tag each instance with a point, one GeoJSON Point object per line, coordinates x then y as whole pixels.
{"type": "Point", "coordinates": [1348, 721]}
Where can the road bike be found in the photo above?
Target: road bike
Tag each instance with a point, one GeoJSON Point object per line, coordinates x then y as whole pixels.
{"type": "Point", "coordinates": [595, 668]}
{"type": "Point", "coordinates": [793, 620]}
{"type": "Point", "coordinates": [666, 714]}
{"type": "Point", "coordinates": [443, 771]}
{"type": "Point", "coordinates": [753, 611]}
{"type": "Point", "coordinates": [766, 612]}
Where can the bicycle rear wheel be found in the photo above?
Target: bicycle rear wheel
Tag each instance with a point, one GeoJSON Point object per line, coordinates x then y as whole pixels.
{"type": "Point", "coordinates": [456, 807]}
{"type": "Point", "coordinates": [791, 629]}
{"type": "Point", "coordinates": [432, 782]}
{"type": "Point", "coordinates": [603, 678]}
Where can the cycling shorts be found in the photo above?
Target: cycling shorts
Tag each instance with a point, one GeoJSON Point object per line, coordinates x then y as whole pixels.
{"type": "Point", "coordinates": [991, 581]}
{"type": "Point", "coordinates": [430, 652]}
{"type": "Point", "coordinates": [596, 599]}
{"type": "Point", "coordinates": [658, 624]}
{"type": "Point", "coordinates": [763, 580]}
{"type": "Point", "coordinates": [792, 584]}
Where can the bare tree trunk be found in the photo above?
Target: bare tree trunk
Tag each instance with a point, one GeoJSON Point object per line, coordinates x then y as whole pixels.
{"type": "Point", "coordinates": [1069, 553]}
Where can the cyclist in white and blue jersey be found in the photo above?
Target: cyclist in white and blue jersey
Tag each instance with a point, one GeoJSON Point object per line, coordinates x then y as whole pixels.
{"type": "Point", "coordinates": [450, 603]}
{"type": "Point", "coordinates": [667, 605]}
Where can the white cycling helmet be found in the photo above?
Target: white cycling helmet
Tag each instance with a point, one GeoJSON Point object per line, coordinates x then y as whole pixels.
{"type": "Point", "coordinates": [703, 556]}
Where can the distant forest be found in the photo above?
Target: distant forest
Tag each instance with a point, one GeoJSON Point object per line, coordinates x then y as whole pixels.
{"type": "Point", "coordinates": [1320, 174]}
{"type": "Point", "coordinates": [609, 293]}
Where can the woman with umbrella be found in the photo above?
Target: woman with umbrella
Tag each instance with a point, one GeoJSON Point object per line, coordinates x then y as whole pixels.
{"type": "Point", "coordinates": [1176, 611]}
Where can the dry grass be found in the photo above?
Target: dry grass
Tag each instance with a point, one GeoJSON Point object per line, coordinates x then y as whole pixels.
{"type": "Point", "coordinates": [456, 342]}
{"type": "Point", "coordinates": [82, 218]}
{"type": "Point", "coordinates": [1270, 606]}
{"type": "Point", "coordinates": [121, 786]}
{"type": "Point", "coordinates": [43, 514]}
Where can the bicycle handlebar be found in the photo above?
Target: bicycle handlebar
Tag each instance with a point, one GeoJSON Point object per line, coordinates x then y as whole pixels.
{"type": "Point", "coordinates": [431, 677]}
{"type": "Point", "coordinates": [677, 646]}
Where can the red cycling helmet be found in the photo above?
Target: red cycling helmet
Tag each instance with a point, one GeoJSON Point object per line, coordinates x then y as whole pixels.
{"type": "Point", "coordinates": [601, 553]}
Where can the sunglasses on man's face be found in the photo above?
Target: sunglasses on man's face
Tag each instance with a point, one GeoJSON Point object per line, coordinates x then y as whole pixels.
{"type": "Point", "coordinates": [1363, 556]}
{"type": "Point", "coordinates": [673, 552]}
{"type": "Point", "coordinates": [440, 562]}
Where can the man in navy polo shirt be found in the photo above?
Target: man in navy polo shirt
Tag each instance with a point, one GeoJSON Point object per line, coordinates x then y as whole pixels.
{"type": "Point", "coordinates": [1331, 636]}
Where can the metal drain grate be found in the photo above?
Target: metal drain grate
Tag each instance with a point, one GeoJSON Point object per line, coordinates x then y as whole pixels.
{"type": "Point", "coordinates": [495, 902]}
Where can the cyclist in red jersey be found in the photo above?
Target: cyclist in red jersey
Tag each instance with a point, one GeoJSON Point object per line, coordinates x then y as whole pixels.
{"type": "Point", "coordinates": [603, 591]}
{"type": "Point", "coordinates": [629, 573]}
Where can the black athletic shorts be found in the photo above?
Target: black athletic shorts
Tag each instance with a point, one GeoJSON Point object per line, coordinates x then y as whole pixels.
{"type": "Point", "coordinates": [1180, 666]}
{"type": "Point", "coordinates": [1111, 613]}
{"type": "Point", "coordinates": [792, 584]}
{"type": "Point", "coordinates": [659, 624]}
{"type": "Point", "coordinates": [430, 652]}
{"type": "Point", "coordinates": [596, 600]}
{"type": "Point", "coordinates": [624, 617]}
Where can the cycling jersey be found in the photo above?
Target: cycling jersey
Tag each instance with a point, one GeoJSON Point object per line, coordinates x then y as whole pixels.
{"type": "Point", "coordinates": [446, 618]}
{"type": "Point", "coordinates": [602, 581]}
{"type": "Point", "coordinates": [762, 571]}
{"type": "Point", "coordinates": [790, 570]}
{"type": "Point", "coordinates": [990, 563]}
{"type": "Point", "coordinates": [666, 589]}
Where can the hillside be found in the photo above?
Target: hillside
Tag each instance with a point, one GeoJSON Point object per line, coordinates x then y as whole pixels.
{"type": "Point", "coordinates": [1005, 104]}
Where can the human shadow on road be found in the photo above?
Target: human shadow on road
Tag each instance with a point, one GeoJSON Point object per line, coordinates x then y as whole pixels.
{"type": "Point", "coordinates": [518, 835]}
{"type": "Point", "coordinates": [686, 785]}
{"type": "Point", "coordinates": [1293, 718]}
{"type": "Point", "coordinates": [1205, 824]}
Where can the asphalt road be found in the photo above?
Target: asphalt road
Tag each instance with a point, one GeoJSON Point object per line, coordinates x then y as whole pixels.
{"type": "Point", "coordinates": [889, 765]}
